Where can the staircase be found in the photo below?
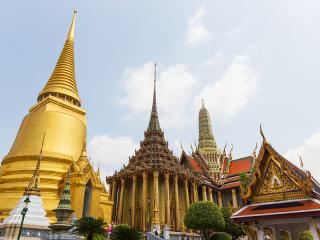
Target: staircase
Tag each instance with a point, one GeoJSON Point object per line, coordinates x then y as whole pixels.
{"type": "Point", "coordinates": [152, 236]}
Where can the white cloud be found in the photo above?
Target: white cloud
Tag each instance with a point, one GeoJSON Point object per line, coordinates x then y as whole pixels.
{"type": "Point", "coordinates": [175, 87]}
{"type": "Point", "coordinates": [310, 154]}
{"type": "Point", "coordinates": [237, 30]}
{"type": "Point", "coordinates": [197, 32]}
{"type": "Point", "coordinates": [111, 152]}
{"type": "Point", "coordinates": [228, 96]}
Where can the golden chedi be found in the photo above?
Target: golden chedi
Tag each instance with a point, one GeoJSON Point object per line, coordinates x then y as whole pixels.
{"type": "Point", "coordinates": [59, 115]}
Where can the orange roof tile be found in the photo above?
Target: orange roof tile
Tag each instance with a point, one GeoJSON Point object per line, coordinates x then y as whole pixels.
{"type": "Point", "coordinates": [195, 165]}
{"type": "Point", "coordinates": [271, 209]}
{"type": "Point", "coordinates": [240, 166]}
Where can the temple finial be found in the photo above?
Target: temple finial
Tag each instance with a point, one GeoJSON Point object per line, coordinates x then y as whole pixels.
{"type": "Point", "coordinates": [34, 184]}
{"type": "Point", "coordinates": [62, 81]}
{"type": "Point", "coordinates": [230, 153]}
{"type": "Point", "coordinates": [98, 170]}
{"type": "Point", "coordinates": [254, 153]}
{"type": "Point", "coordinates": [202, 102]}
{"type": "Point", "coordinates": [154, 124]}
{"type": "Point", "coordinates": [71, 31]}
{"type": "Point", "coordinates": [262, 134]}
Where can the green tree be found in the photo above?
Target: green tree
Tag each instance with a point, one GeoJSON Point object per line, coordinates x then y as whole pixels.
{"type": "Point", "coordinates": [89, 226]}
{"type": "Point", "coordinates": [205, 217]}
{"type": "Point", "coordinates": [232, 228]}
{"type": "Point", "coordinates": [125, 232]}
{"type": "Point", "coordinates": [305, 235]}
{"type": "Point", "coordinates": [244, 180]}
{"type": "Point", "coordinates": [221, 236]}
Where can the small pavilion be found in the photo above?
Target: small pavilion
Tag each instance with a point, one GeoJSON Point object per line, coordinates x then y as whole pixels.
{"type": "Point", "coordinates": [280, 199]}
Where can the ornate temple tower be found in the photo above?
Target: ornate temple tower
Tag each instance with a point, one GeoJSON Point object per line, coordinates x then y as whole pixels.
{"type": "Point", "coordinates": [59, 115]}
{"type": "Point", "coordinates": [153, 189]}
{"type": "Point", "coordinates": [207, 145]}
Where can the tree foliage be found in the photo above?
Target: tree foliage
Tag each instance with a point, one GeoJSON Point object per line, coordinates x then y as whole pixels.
{"type": "Point", "coordinates": [125, 232]}
{"type": "Point", "coordinates": [305, 235]}
{"type": "Point", "coordinates": [221, 236]}
{"type": "Point", "coordinates": [89, 226]}
{"type": "Point", "coordinates": [244, 180]}
{"type": "Point", "coordinates": [232, 228]}
{"type": "Point", "coordinates": [205, 217]}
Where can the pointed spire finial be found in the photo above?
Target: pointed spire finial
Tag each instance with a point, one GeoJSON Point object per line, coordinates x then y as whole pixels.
{"type": "Point", "coordinates": [254, 153]}
{"type": "Point", "coordinates": [230, 153]}
{"type": "Point", "coordinates": [98, 170]}
{"type": "Point", "coordinates": [63, 80]}
{"type": "Point", "coordinates": [71, 31]}
{"type": "Point", "coordinates": [202, 102]}
{"type": "Point", "coordinates": [262, 134]}
{"type": "Point", "coordinates": [34, 184]}
{"type": "Point", "coordinates": [154, 124]}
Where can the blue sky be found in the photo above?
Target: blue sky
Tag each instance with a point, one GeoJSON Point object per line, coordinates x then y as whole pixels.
{"type": "Point", "coordinates": [252, 61]}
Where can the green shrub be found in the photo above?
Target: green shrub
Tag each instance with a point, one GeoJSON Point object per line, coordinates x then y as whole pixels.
{"type": "Point", "coordinates": [305, 235]}
{"type": "Point", "coordinates": [221, 236]}
{"type": "Point", "coordinates": [99, 237]}
{"type": "Point", "coordinates": [89, 226]}
{"type": "Point", "coordinates": [125, 232]}
{"type": "Point", "coordinates": [205, 217]}
{"type": "Point", "coordinates": [232, 228]}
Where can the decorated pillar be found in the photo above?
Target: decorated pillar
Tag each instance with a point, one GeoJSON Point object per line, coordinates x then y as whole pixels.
{"type": "Point", "coordinates": [204, 193]}
{"type": "Point", "coordinates": [210, 195]}
{"type": "Point", "coordinates": [155, 216]}
{"type": "Point", "coordinates": [176, 192]}
{"type": "Point", "coordinates": [113, 190]}
{"type": "Point", "coordinates": [313, 230]}
{"type": "Point", "coordinates": [120, 210]}
{"type": "Point", "coordinates": [195, 192]}
{"type": "Point", "coordinates": [144, 200]}
{"type": "Point", "coordinates": [133, 200]}
{"type": "Point", "coordinates": [167, 199]}
{"type": "Point", "coordinates": [219, 199]}
{"type": "Point", "coordinates": [234, 198]}
{"type": "Point", "coordinates": [186, 190]}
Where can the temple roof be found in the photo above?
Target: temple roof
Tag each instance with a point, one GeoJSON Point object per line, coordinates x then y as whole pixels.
{"type": "Point", "coordinates": [276, 178]}
{"type": "Point", "coordinates": [241, 165]}
{"type": "Point", "coordinates": [286, 209]}
{"type": "Point", "coordinates": [63, 80]}
{"type": "Point", "coordinates": [154, 153]}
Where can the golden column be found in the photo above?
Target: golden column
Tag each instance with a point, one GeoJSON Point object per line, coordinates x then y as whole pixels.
{"type": "Point", "coordinates": [176, 193]}
{"type": "Point", "coordinates": [121, 201]}
{"type": "Point", "coordinates": [234, 198]}
{"type": "Point", "coordinates": [167, 199]}
{"type": "Point", "coordinates": [155, 217]}
{"type": "Point", "coordinates": [133, 200]}
{"type": "Point", "coordinates": [210, 195]}
{"type": "Point", "coordinates": [204, 193]}
{"type": "Point", "coordinates": [113, 190]}
{"type": "Point", "coordinates": [195, 192]}
{"type": "Point", "coordinates": [186, 190]}
{"type": "Point", "coordinates": [219, 199]}
{"type": "Point", "coordinates": [144, 200]}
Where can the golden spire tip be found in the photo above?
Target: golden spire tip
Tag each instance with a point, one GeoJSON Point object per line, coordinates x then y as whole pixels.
{"type": "Point", "coordinates": [71, 31]}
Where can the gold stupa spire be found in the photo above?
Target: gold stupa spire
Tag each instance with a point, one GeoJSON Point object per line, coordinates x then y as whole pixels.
{"type": "Point", "coordinates": [34, 184]}
{"type": "Point", "coordinates": [62, 82]}
{"type": "Point", "coordinates": [154, 124]}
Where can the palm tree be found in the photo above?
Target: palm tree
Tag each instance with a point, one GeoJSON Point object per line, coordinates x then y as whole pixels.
{"type": "Point", "coordinates": [89, 226]}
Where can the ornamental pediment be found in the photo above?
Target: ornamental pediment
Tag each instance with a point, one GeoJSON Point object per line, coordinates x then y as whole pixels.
{"type": "Point", "coordinates": [276, 184]}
